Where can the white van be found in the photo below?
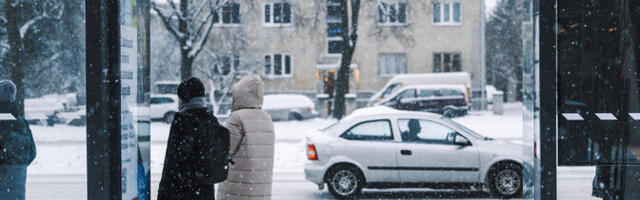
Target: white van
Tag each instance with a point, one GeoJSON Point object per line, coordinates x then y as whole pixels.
{"type": "Point", "coordinates": [399, 81]}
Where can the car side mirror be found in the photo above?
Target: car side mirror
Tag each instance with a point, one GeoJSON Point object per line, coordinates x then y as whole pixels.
{"type": "Point", "coordinates": [461, 141]}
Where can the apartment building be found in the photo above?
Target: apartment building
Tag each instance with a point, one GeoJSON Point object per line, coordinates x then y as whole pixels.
{"type": "Point", "coordinates": [295, 44]}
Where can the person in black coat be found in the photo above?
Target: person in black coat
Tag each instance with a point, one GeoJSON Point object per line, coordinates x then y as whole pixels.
{"type": "Point", "coordinates": [181, 162]}
{"type": "Point", "coordinates": [17, 147]}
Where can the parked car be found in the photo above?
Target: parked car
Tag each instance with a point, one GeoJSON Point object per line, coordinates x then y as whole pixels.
{"type": "Point", "coordinates": [164, 107]}
{"type": "Point", "coordinates": [448, 100]}
{"type": "Point", "coordinates": [403, 80]}
{"type": "Point", "coordinates": [289, 107]}
{"type": "Point", "coordinates": [380, 147]}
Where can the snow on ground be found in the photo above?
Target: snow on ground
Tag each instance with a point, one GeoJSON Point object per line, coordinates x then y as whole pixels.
{"type": "Point", "coordinates": [62, 149]}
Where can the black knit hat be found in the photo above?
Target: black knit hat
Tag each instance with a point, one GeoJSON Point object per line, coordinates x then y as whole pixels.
{"type": "Point", "coordinates": [189, 88]}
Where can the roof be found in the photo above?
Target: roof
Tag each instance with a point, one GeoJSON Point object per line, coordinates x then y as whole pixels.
{"type": "Point", "coordinates": [167, 82]}
{"type": "Point", "coordinates": [173, 96]}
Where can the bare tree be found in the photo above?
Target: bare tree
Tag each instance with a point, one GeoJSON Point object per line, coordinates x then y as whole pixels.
{"type": "Point", "coordinates": [350, 37]}
{"type": "Point", "coordinates": [190, 24]}
{"type": "Point", "coordinates": [28, 52]}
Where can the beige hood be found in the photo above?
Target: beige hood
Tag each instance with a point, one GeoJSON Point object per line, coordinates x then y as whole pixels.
{"type": "Point", "coordinates": [247, 93]}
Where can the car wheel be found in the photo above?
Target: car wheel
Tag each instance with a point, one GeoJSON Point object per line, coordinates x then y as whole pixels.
{"type": "Point", "coordinates": [506, 181]}
{"type": "Point", "coordinates": [345, 182]}
{"type": "Point", "coordinates": [295, 116]}
{"type": "Point", "coordinates": [449, 113]}
{"type": "Point", "coordinates": [168, 117]}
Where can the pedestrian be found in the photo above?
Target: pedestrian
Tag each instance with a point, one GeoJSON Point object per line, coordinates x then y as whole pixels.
{"type": "Point", "coordinates": [252, 144]}
{"type": "Point", "coordinates": [16, 143]}
{"type": "Point", "coordinates": [197, 154]}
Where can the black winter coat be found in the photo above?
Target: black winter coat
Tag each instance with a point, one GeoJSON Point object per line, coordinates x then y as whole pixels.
{"type": "Point", "coordinates": [16, 142]}
{"type": "Point", "coordinates": [180, 163]}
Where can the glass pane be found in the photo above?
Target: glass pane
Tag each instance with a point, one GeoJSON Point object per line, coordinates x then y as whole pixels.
{"type": "Point", "coordinates": [287, 64]}
{"type": "Point", "coordinates": [335, 47]}
{"type": "Point", "coordinates": [436, 12]}
{"type": "Point", "coordinates": [446, 12]}
{"type": "Point", "coordinates": [393, 13]}
{"type": "Point", "coordinates": [334, 29]}
{"type": "Point", "coordinates": [437, 62]}
{"type": "Point", "coordinates": [278, 12]}
{"type": "Point", "coordinates": [457, 63]}
{"type": "Point", "coordinates": [267, 64]}
{"type": "Point", "coordinates": [267, 13]}
{"type": "Point", "coordinates": [402, 12]}
{"type": "Point", "coordinates": [286, 18]}
{"type": "Point", "coordinates": [277, 64]}
{"type": "Point", "coordinates": [447, 62]}
{"type": "Point", "coordinates": [376, 130]}
{"type": "Point", "coordinates": [421, 131]}
{"type": "Point", "coordinates": [456, 12]}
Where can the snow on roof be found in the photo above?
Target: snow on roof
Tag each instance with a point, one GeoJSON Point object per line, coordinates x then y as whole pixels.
{"type": "Point", "coordinates": [173, 96]}
{"type": "Point", "coordinates": [384, 110]}
{"type": "Point", "coordinates": [438, 86]}
{"type": "Point", "coordinates": [167, 83]}
{"type": "Point", "coordinates": [432, 75]}
{"type": "Point", "coordinates": [277, 101]}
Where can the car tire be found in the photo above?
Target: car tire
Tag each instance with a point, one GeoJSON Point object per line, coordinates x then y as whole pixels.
{"type": "Point", "coordinates": [506, 181]}
{"type": "Point", "coordinates": [345, 182]}
{"type": "Point", "coordinates": [449, 113]}
{"type": "Point", "coordinates": [168, 117]}
{"type": "Point", "coordinates": [295, 116]}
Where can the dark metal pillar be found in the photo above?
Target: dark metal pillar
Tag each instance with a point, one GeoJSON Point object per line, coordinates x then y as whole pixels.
{"type": "Point", "coordinates": [548, 94]}
{"type": "Point", "coordinates": [103, 99]}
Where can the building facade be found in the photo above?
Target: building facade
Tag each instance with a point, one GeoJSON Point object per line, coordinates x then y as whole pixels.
{"type": "Point", "coordinates": [296, 44]}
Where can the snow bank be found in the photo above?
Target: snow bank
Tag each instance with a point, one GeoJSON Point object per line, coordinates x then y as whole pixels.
{"type": "Point", "coordinates": [279, 101]}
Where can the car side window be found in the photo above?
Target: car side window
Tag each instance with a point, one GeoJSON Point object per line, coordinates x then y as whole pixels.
{"type": "Point", "coordinates": [425, 131]}
{"type": "Point", "coordinates": [407, 94]}
{"type": "Point", "coordinates": [447, 93]}
{"type": "Point", "coordinates": [168, 100]}
{"type": "Point", "coordinates": [427, 93]}
{"type": "Point", "coordinates": [155, 101]}
{"type": "Point", "coordinates": [378, 130]}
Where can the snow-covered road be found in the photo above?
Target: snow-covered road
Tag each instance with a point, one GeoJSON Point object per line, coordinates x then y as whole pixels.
{"type": "Point", "coordinates": [59, 171]}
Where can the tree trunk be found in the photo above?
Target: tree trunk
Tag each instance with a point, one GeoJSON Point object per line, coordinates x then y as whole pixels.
{"type": "Point", "coordinates": [185, 64]}
{"type": "Point", "coordinates": [342, 83]}
{"type": "Point", "coordinates": [16, 63]}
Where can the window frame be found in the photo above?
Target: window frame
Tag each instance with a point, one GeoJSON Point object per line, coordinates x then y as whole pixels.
{"type": "Point", "coordinates": [271, 22]}
{"type": "Point", "coordinates": [451, 11]}
{"type": "Point", "coordinates": [389, 122]}
{"type": "Point", "coordinates": [396, 5]}
{"type": "Point", "coordinates": [426, 142]}
{"type": "Point", "coordinates": [272, 74]}
{"type": "Point", "coordinates": [442, 55]}
{"type": "Point", "coordinates": [233, 60]}
{"type": "Point", "coordinates": [388, 75]}
{"type": "Point", "coordinates": [326, 51]}
{"type": "Point", "coordinates": [220, 15]}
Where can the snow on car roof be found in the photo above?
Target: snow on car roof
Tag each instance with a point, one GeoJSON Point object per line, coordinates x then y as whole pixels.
{"type": "Point", "coordinates": [276, 101]}
{"type": "Point", "coordinates": [164, 95]}
{"type": "Point", "coordinates": [437, 86]}
{"type": "Point", "coordinates": [384, 110]}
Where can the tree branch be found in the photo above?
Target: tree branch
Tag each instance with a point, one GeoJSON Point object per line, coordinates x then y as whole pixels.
{"type": "Point", "coordinates": [166, 20]}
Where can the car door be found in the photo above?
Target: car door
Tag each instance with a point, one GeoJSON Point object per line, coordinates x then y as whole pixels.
{"type": "Point", "coordinates": [371, 143]}
{"type": "Point", "coordinates": [427, 154]}
{"type": "Point", "coordinates": [427, 100]}
{"type": "Point", "coordinates": [406, 100]}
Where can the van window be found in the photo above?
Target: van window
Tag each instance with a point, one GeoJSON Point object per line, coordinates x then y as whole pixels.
{"type": "Point", "coordinates": [447, 93]}
{"type": "Point", "coordinates": [411, 93]}
{"type": "Point", "coordinates": [390, 90]}
{"type": "Point", "coordinates": [425, 93]}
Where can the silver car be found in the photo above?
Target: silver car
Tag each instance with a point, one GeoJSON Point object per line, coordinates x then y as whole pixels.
{"type": "Point", "coordinates": [289, 107]}
{"type": "Point", "coordinates": [380, 147]}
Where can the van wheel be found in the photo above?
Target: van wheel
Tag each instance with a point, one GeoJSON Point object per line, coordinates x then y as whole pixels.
{"type": "Point", "coordinates": [345, 182]}
{"type": "Point", "coordinates": [506, 181]}
{"type": "Point", "coordinates": [168, 117]}
{"type": "Point", "coordinates": [295, 116]}
{"type": "Point", "coordinates": [449, 113]}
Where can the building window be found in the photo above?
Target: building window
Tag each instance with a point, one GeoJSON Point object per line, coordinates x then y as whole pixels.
{"type": "Point", "coordinates": [277, 65]}
{"type": "Point", "coordinates": [447, 62]}
{"type": "Point", "coordinates": [335, 46]}
{"type": "Point", "coordinates": [334, 28]}
{"type": "Point", "coordinates": [390, 64]}
{"type": "Point", "coordinates": [229, 14]}
{"type": "Point", "coordinates": [226, 64]}
{"type": "Point", "coordinates": [446, 13]}
{"type": "Point", "coordinates": [277, 13]}
{"type": "Point", "coordinates": [393, 14]}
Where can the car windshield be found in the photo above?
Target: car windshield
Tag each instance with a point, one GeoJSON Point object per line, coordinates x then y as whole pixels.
{"type": "Point", "coordinates": [467, 130]}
